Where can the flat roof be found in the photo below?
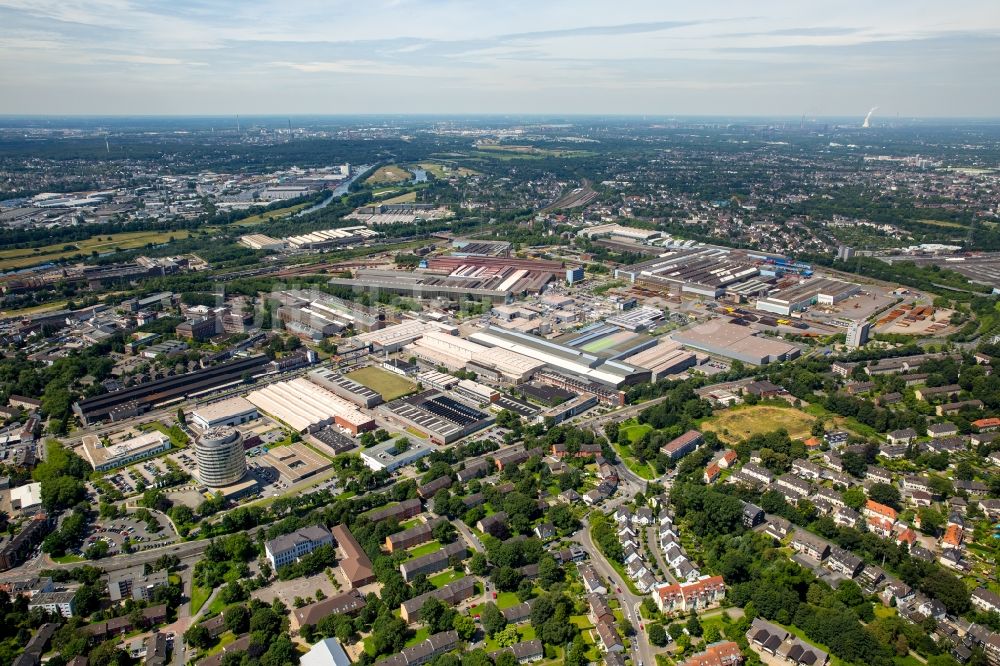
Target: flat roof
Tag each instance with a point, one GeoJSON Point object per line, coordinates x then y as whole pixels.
{"type": "Point", "coordinates": [223, 409]}
{"type": "Point", "coordinates": [98, 454]}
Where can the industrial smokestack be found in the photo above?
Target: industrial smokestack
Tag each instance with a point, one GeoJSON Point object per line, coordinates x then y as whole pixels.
{"type": "Point", "coordinates": [868, 118]}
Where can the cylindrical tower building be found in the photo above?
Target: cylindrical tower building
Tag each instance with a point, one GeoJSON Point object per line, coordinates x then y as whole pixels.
{"type": "Point", "coordinates": [220, 456]}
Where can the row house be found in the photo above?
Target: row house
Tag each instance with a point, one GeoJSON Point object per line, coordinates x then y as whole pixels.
{"type": "Point", "coordinates": [845, 516]}
{"type": "Point", "coordinates": [828, 495]}
{"type": "Point", "coordinates": [893, 451]}
{"type": "Point", "coordinates": [947, 445]}
{"type": "Point", "coordinates": [913, 482]}
{"type": "Point", "coordinates": [591, 581]}
{"type": "Point", "coordinates": [873, 509]}
{"type": "Point", "coordinates": [682, 598]}
{"type": "Point", "coordinates": [808, 544]}
{"type": "Point", "coordinates": [765, 636]}
{"type": "Point", "coordinates": [904, 436]}
{"type": "Point", "coordinates": [792, 488]}
{"type": "Point", "coordinates": [844, 562]}
{"type": "Point", "coordinates": [807, 470]}
{"type": "Point", "coordinates": [941, 430]}
{"type": "Point", "coordinates": [878, 474]}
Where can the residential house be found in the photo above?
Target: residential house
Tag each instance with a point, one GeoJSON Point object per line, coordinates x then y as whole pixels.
{"type": "Point", "coordinates": [765, 637]}
{"type": "Point", "coordinates": [807, 544]}
{"type": "Point", "coordinates": [423, 652]}
{"type": "Point", "coordinates": [844, 561]}
{"type": "Point", "coordinates": [986, 600]}
{"type": "Point", "coordinates": [722, 653]}
{"type": "Point", "coordinates": [591, 581]}
{"type": "Point", "coordinates": [682, 598]}
{"type": "Point", "coordinates": [904, 436]}
{"type": "Point", "coordinates": [939, 430]}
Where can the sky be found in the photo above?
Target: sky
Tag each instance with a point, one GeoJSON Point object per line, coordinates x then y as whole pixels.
{"type": "Point", "coordinates": [914, 58]}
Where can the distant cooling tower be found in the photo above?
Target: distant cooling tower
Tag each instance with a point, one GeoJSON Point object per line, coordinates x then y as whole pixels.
{"type": "Point", "coordinates": [868, 118]}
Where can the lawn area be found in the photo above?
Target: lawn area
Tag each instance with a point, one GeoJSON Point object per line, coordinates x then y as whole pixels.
{"type": "Point", "coordinates": [391, 173]}
{"type": "Point", "coordinates": [884, 611]}
{"type": "Point", "coordinates": [738, 423]}
{"type": "Point", "coordinates": [388, 384]}
{"type": "Point", "coordinates": [199, 595]}
{"type": "Point", "coordinates": [635, 431]}
{"type": "Point", "coordinates": [908, 660]}
{"type": "Point", "coordinates": [216, 606]}
{"type": "Point", "coordinates": [442, 579]}
{"type": "Point", "coordinates": [506, 600]}
{"type": "Point", "coordinates": [35, 309]}
{"type": "Point", "coordinates": [423, 549]}
{"type": "Point", "coordinates": [423, 633]}
{"type": "Point", "coordinates": [225, 639]}
{"type": "Point", "coordinates": [275, 214]}
{"type": "Point", "coordinates": [641, 469]}
{"type": "Point", "coordinates": [525, 632]}
{"type": "Point", "coordinates": [19, 258]}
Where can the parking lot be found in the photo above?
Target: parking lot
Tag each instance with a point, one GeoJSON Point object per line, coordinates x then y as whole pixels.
{"type": "Point", "coordinates": [114, 532]}
{"type": "Point", "coordinates": [287, 590]}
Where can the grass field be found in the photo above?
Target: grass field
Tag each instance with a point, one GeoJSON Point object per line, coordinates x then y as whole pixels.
{"type": "Point", "coordinates": [406, 197]}
{"type": "Point", "coordinates": [733, 425]}
{"type": "Point", "coordinates": [35, 309]}
{"type": "Point", "coordinates": [442, 579]}
{"type": "Point", "coordinates": [199, 595]}
{"type": "Point", "coordinates": [388, 384]}
{"type": "Point", "coordinates": [525, 632]}
{"type": "Point", "coordinates": [20, 258]}
{"type": "Point", "coordinates": [421, 635]}
{"type": "Point", "coordinates": [514, 152]}
{"type": "Point", "coordinates": [441, 171]}
{"type": "Point", "coordinates": [276, 214]}
{"type": "Point", "coordinates": [637, 467]}
{"type": "Point", "coordinates": [636, 431]}
{"type": "Point", "coordinates": [391, 173]}
{"type": "Point", "coordinates": [424, 549]}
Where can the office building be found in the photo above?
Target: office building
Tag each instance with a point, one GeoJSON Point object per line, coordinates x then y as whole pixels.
{"type": "Point", "coordinates": [220, 456]}
{"type": "Point", "coordinates": [103, 457]}
{"type": "Point", "coordinates": [288, 548]}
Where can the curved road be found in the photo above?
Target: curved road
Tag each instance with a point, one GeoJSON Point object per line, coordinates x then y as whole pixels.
{"type": "Point", "coordinates": [644, 654]}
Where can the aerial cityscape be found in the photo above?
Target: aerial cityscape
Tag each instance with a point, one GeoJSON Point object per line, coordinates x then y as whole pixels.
{"type": "Point", "coordinates": [438, 366]}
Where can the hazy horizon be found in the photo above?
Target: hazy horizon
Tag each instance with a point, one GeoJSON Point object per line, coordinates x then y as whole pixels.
{"type": "Point", "coordinates": [774, 58]}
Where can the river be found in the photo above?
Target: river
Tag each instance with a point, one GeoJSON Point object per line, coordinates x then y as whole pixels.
{"type": "Point", "coordinates": [339, 191]}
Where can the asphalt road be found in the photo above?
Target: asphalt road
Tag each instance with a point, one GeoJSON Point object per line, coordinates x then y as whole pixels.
{"type": "Point", "coordinates": [643, 654]}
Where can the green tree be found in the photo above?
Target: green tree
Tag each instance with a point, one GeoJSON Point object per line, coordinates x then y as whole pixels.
{"type": "Point", "coordinates": [493, 620]}
{"type": "Point", "coordinates": [464, 625]}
